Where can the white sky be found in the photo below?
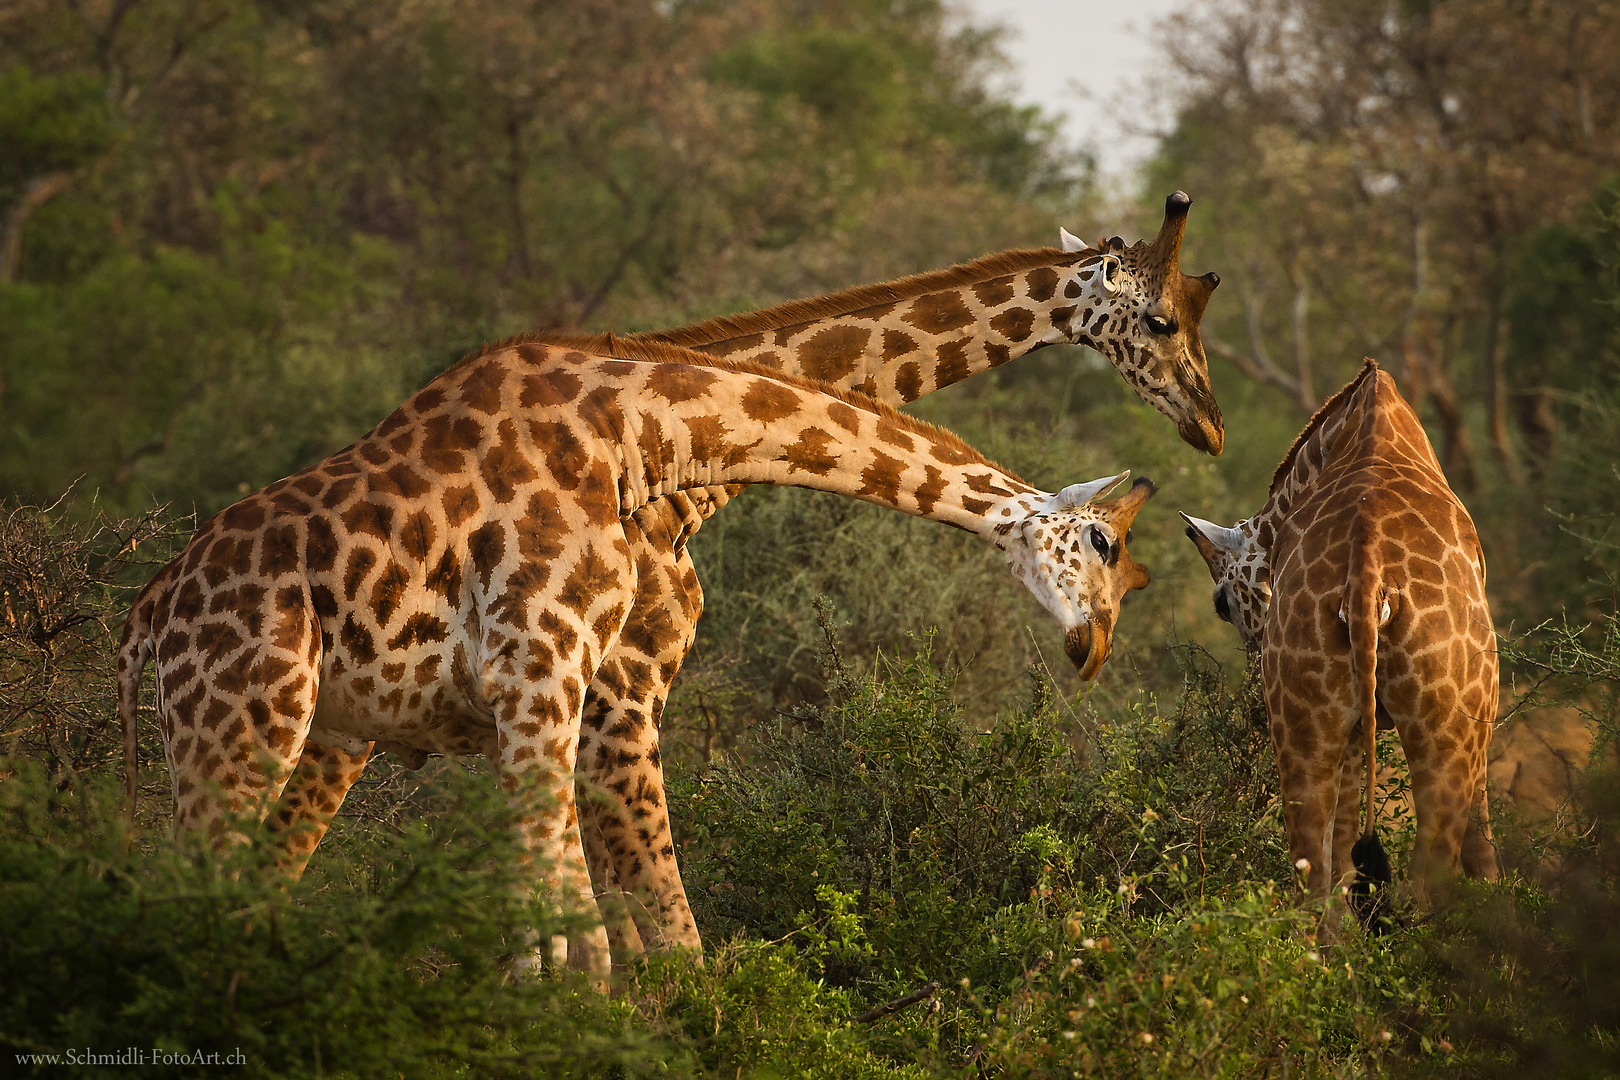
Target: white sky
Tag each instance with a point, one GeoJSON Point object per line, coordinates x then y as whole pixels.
{"type": "Point", "coordinates": [1080, 57]}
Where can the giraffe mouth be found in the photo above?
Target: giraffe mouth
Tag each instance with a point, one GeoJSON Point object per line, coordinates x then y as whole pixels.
{"type": "Point", "coordinates": [1202, 434]}
{"type": "Point", "coordinates": [1087, 649]}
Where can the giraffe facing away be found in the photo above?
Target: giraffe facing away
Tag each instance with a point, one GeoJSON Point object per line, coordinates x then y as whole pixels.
{"type": "Point", "coordinates": [455, 580]}
{"type": "Point", "coordinates": [1363, 583]}
{"type": "Point", "coordinates": [895, 342]}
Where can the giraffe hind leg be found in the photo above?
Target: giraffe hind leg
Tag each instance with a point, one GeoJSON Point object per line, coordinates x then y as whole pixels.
{"type": "Point", "coordinates": [237, 706]}
{"type": "Point", "coordinates": [311, 800]}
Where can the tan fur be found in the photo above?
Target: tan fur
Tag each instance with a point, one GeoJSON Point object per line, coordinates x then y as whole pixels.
{"type": "Point", "coordinates": [858, 297]}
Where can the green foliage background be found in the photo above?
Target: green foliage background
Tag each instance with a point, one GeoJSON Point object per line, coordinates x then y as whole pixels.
{"type": "Point", "coordinates": [235, 235]}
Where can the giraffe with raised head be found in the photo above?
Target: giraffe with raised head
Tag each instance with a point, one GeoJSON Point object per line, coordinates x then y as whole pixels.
{"type": "Point", "coordinates": [1363, 583]}
{"type": "Point", "coordinates": [455, 580]}
{"type": "Point", "coordinates": [893, 341]}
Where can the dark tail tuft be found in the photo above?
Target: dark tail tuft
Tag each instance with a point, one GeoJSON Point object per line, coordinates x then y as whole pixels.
{"type": "Point", "coordinates": [1369, 896]}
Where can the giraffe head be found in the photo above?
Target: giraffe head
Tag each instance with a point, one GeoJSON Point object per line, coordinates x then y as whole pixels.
{"type": "Point", "coordinates": [1147, 325]}
{"type": "Point", "coordinates": [1242, 574]}
{"type": "Point", "coordinates": [1070, 552]}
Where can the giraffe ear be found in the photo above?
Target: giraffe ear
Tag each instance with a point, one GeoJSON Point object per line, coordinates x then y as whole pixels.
{"type": "Point", "coordinates": [1078, 495]}
{"type": "Point", "coordinates": [1222, 538]}
{"type": "Point", "coordinates": [1070, 241]}
{"type": "Point", "coordinates": [1108, 273]}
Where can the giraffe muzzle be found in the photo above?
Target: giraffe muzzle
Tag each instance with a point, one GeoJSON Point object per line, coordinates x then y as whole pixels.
{"type": "Point", "coordinates": [1087, 648]}
{"type": "Point", "coordinates": [1204, 431]}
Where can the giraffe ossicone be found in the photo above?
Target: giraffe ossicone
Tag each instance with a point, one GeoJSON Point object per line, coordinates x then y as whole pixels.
{"type": "Point", "coordinates": [454, 580]}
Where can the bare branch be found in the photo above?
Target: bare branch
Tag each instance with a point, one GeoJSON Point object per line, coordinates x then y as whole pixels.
{"type": "Point", "coordinates": [40, 190]}
{"type": "Point", "coordinates": [922, 993]}
{"type": "Point", "coordinates": [1256, 363]}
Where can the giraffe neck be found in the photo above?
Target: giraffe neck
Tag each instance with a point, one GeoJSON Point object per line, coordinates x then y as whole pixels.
{"type": "Point", "coordinates": [1308, 457]}
{"type": "Point", "coordinates": [677, 427]}
{"type": "Point", "coordinates": [896, 348]}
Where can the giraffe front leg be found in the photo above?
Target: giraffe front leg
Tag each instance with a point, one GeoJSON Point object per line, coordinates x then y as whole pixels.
{"type": "Point", "coordinates": [311, 799]}
{"type": "Point", "coordinates": [612, 901]}
{"type": "Point", "coordinates": [537, 751]}
{"type": "Point", "coordinates": [620, 760]}
{"type": "Point", "coordinates": [535, 685]}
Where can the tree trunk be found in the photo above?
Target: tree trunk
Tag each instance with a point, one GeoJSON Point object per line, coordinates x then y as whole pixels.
{"type": "Point", "coordinates": [1427, 382]}
{"type": "Point", "coordinates": [1302, 341]}
{"type": "Point", "coordinates": [1538, 425]}
{"type": "Point", "coordinates": [1496, 405]}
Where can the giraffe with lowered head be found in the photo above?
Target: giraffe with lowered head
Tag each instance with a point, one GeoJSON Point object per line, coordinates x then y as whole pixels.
{"type": "Point", "coordinates": [1363, 584]}
{"type": "Point", "coordinates": [454, 581]}
{"type": "Point", "coordinates": [893, 341]}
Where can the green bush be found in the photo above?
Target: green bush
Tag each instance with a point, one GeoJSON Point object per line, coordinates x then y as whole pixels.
{"type": "Point", "coordinates": [1072, 882]}
{"type": "Point", "coordinates": [400, 968]}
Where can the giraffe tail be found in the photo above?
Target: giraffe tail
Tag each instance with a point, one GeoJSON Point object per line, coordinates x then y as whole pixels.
{"type": "Point", "coordinates": [134, 652]}
{"type": "Point", "coordinates": [1367, 608]}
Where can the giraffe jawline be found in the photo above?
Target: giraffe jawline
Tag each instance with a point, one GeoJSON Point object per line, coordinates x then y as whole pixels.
{"type": "Point", "coordinates": [1087, 650]}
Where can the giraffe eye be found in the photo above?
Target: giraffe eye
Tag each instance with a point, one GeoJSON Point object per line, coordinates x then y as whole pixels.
{"type": "Point", "coordinates": [1159, 325]}
{"type": "Point", "coordinates": [1099, 542]}
{"type": "Point", "coordinates": [1223, 610]}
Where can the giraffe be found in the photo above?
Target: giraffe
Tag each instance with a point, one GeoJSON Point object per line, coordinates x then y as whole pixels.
{"type": "Point", "coordinates": [454, 581]}
{"type": "Point", "coordinates": [1363, 584]}
{"type": "Point", "coordinates": [893, 341]}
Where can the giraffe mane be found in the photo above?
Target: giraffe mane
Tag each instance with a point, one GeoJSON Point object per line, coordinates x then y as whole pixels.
{"type": "Point", "coordinates": [1327, 409]}
{"type": "Point", "coordinates": [637, 348]}
{"type": "Point", "coordinates": [858, 297]}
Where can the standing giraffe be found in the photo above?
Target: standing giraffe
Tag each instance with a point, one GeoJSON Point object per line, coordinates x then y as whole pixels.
{"type": "Point", "coordinates": [895, 342]}
{"type": "Point", "coordinates": [455, 580]}
{"type": "Point", "coordinates": [1363, 582]}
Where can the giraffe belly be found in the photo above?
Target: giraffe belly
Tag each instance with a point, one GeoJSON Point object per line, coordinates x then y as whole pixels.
{"type": "Point", "coordinates": [411, 698]}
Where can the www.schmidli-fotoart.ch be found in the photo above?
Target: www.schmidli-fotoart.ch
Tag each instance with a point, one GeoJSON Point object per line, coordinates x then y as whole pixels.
{"type": "Point", "coordinates": [136, 1055]}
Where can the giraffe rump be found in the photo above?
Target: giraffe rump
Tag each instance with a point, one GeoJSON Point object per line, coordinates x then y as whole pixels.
{"type": "Point", "coordinates": [134, 652]}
